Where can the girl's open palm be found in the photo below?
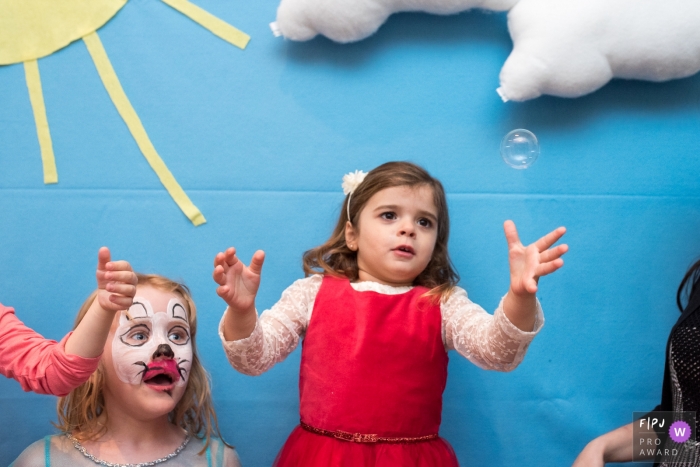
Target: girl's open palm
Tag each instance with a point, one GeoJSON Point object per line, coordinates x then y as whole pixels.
{"type": "Point", "coordinates": [529, 263]}
{"type": "Point", "coordinates": [238, 283]}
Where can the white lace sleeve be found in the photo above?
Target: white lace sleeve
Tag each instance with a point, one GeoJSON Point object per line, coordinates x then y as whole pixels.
{"type": "Point", "coordinates": [491, 342]}
{"type": "Point", "coordinates": [277, 330]}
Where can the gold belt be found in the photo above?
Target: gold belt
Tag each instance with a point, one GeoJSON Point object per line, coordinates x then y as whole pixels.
{"type": "Point", "coordinates": [365, 438]}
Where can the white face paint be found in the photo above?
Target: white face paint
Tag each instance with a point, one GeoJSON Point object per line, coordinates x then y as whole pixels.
{"type": "Point", "coordinates": [153, 346]}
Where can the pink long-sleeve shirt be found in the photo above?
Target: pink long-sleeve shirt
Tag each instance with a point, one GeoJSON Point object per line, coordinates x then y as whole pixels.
{"type": "Point", "coordinates": [38, 364]}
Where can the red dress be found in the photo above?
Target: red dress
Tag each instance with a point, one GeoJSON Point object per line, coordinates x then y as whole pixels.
{"type": "Point", "coordinates": [372, 366]}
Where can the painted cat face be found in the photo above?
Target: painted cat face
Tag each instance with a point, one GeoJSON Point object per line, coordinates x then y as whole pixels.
{"type": "Point", "coordinates": [152, 343]}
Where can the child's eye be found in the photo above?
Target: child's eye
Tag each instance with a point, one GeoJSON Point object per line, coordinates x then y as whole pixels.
{"type": "Point", "coordinates": [175, 336]}
{"type": "Point", "coordinates": [136, 336]}
{"type": "Point", "coordinates": [179, 335]}
{"type": "Point", "coordinates": [425, 222]}
{"type": "Point", "coordinates": [388, 215]}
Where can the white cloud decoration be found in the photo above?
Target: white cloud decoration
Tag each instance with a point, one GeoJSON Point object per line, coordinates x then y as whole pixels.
{"type": "Point", "coordinates": [353, 20]}
{"type": "Point", "coordinates": [569, 48]}
{"type": "Point", "coordinates": [564, 48]}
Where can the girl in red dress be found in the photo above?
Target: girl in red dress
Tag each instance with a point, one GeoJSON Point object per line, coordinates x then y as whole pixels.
{"type": "Point", "coordinates": [378, 311]}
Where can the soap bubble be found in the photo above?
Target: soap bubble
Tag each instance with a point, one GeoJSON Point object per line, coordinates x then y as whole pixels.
{"type": "Point", "coordinates": [519, 149]}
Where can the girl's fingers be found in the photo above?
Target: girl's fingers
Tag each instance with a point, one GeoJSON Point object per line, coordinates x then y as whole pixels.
{"type": "Point", "coordinates": [227, 258]}
{"type": "Point", "coordinates": [550, 239]}
{"type": "Point", "coordinates": [553, 253]}
{"type": "Point", "coordinates": [219, 275]}
{"type": "Point", "coordinates": [126, 290]}
{"type": "Point", "coordinates": [256, 263]}
{"type": "Point", "coordinates": [511, 232]}
{"type": "Point", "coordinates": [220, 259]}
{"type": "Point", "coordinates": [231, 261]}
{"type": "Point", "coordinates": [230, 256]}
{"type": "Point", "coordinates": [100, 275]}
{"type": "Point", "coordinates": [550, 267]}
{"type": "Point", "coordinates": [120, 265]}
{"type": "Point", "coordinates": [127, 277]}
{"type": "Point", "coordinates": [531, 286]}
{"type": "Point", "coordinates": [222, 291]}
{"type": "Point", "coordinates": [103, 257]}
{"type": "Point", "coordinates": [123, 302]}
{"type": "Point", "coordinates": [224, 266]}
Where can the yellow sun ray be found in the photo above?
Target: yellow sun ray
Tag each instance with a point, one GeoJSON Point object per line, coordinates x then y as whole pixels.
{"type": "Point", "coordinates": [31, 29]}
{"type": "Point", "coordinates": [210, 22]}
{"type": "Point", "coordinates": [133, 122]}
{"type": "Point", "coordinates": [36, 96]}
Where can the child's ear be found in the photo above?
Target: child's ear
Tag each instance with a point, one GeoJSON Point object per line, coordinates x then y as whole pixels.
{"type": "Point", "coordinates": [350, 236]}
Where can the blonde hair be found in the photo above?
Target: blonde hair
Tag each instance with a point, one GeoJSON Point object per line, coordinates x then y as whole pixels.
{"type": "Point", "coordinates": [335, 258]}
{"type": "Point", "coordinates": [79, 411]}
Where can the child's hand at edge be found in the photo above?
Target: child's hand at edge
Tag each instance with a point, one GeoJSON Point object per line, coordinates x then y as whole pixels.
{"type": "Point", "coordinates": [238, 286]}
{"type": "Point", "coordinates": [116, 287]}
{"type": "Point", "coordinates": [527, 265]}
{"type": "Point", "coordinates": [613, 446]}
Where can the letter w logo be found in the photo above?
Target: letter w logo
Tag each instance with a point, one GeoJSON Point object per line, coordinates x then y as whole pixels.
{"type": "Point", "coordinates": [679, 432]}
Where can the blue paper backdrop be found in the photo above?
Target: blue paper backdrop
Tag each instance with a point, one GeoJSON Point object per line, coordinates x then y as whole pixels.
{"type": "Point", "coordinates": [260, 140]}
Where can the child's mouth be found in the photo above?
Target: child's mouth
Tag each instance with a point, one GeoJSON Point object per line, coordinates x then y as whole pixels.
{"type": "Point", "coordinates": [404, 250]}
{"type": "Point", "coordinates": [161, 375]}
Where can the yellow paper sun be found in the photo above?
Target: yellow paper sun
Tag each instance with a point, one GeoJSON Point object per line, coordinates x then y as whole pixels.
{"type": "Point", "coordinates": [31, 29]}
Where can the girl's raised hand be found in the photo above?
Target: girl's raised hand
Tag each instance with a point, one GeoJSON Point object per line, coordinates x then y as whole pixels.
{"type": "Point", "coordinates": [238, 283]}
{"type": "Point", "coordinates": [529, 263]}
{"type": "Point", "coordinates": [116, 282]}
{"type": "Point", "coordinates": [116, 287]}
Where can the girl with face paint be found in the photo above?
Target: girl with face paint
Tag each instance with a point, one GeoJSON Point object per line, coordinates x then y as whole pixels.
{"type": "Point", "coordinates": [149, 401]}
{"type": "Point", "coordinates": [49, 367]}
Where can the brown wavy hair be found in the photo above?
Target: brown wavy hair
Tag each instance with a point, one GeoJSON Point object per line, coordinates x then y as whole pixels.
{"type": "Point", "coordinates": [335, 258]}
{"type": "Point", "coordinates": [79, 411]}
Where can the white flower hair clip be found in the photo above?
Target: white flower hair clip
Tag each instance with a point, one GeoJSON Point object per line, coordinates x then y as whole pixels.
{"type": "Point", "coordinates": [352, 180]}
{"type": "Point", "coordinates": [350, 183]}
